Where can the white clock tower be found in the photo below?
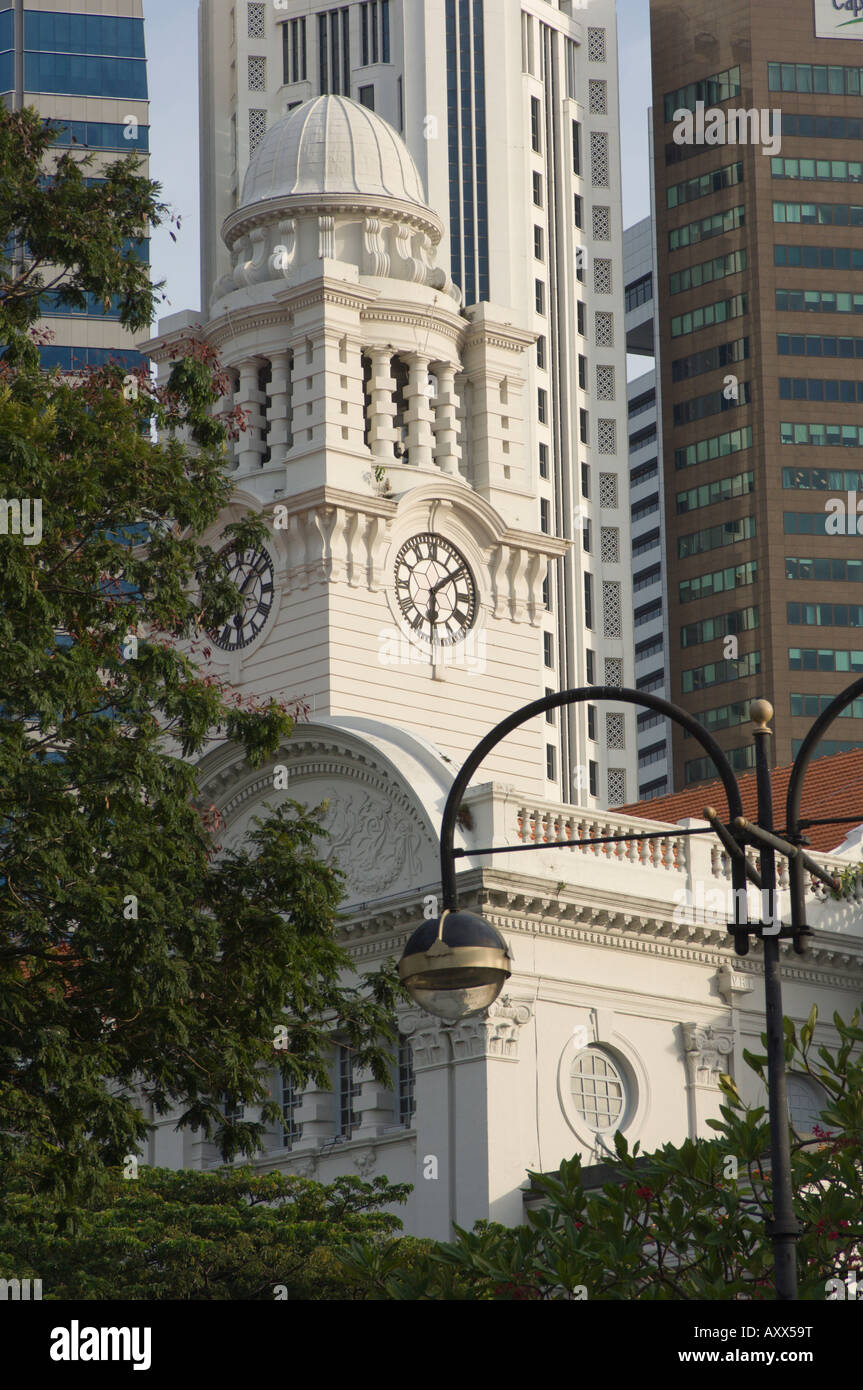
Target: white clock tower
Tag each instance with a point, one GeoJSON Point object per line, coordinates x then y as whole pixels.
{"type": "Point", "coordinates": [404, 580]}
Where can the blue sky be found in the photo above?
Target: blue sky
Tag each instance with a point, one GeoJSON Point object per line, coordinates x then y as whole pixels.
{"type": "Point", "coordinates": [173, 61]}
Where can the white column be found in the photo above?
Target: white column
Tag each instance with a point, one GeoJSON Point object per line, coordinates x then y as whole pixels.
{"type": "Point", "coordinates": [279, 413]}
{"type": "Point", "coordinates": [382, 407]}
{"type": "Point", "coordinates": [419, 415]}
{"type": "Point", "coordinates": [447, 449]}
{"type": "Point", "coordinates": [250, 446]}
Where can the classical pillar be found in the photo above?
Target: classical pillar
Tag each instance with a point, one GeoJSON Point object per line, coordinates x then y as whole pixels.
{"type": "Point", "coordinates": [447, 448]}
{"type": "Point", "coordinates": [279, 412]}
{"type": "Point", "coordinates": [419, 415]}
{"type": "Point", "coordinates": [250, 446]}
{"type": "Point", "coordinates": [708, 1052]}
{"type": "Point", "coordinates": [382, 406]}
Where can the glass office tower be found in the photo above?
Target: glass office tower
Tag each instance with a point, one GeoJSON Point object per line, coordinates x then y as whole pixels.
{"type": "Point", "coordinates": [85, 71]}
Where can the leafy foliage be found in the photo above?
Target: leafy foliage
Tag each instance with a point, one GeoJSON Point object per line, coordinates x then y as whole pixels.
{"type": "Point", "coordinates": [234, 1235]}
{"type": "Point", "coordinates": [140, 969]}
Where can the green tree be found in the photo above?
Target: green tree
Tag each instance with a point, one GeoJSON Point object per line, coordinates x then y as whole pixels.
{"type": "Point", "coordinates": [232, 1235]}
{"type": "Point", "coordinates": [685, 1222]}
{"type": "Point", "coordinates": [140, 969]}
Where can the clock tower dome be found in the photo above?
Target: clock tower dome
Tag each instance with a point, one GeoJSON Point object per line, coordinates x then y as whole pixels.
{"type": "Point", "coordinates": [406, 576]}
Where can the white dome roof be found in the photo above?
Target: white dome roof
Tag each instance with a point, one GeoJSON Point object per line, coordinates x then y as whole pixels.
{"type": "Point", "coordinates": [331, 145]}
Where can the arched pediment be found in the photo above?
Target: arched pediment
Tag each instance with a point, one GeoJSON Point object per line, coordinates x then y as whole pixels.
{"type": "Point", "coordinates": [384, 791]}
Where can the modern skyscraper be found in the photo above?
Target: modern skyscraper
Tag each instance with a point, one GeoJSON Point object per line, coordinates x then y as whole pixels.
{"type": "Point", "coordinates": [511, 117]}
{"type": "Point", "coordinates": [759, 254]}
{"type": "Point", "coordinates": [647, 510]}
{"type": "Point", "coordinates": [85, 69]}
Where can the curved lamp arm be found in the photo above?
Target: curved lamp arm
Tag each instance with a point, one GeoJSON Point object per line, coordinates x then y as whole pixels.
{"type": "Point", "coordinates": [594, 693]}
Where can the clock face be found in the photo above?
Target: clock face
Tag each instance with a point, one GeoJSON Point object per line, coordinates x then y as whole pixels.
{"type": "Point", "coordinates": [435, 589]}
{"type": "Point", "coordinates": [251, 572]}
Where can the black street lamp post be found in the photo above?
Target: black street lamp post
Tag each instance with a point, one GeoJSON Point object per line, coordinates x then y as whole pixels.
{"type": "Point", "coordinates": [456, 964]}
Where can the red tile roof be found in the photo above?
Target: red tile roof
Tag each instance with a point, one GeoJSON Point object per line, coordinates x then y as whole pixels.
{"type": "Point", "coordinates": [832, 787]}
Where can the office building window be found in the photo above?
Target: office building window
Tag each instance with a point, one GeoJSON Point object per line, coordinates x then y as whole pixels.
{"type": "Point", "coordinates": [234, 1109]}
{"type": "Point", "coordinates": [593, 777]}
{"type": "Point", "coordinates": [550, 762]}
{"type": "Point", "coordinates": [545, 516]}
{"type": "Point", "coordinates": [548, 648]}
{"type": "Point", "coordinates": [546, 592]}
{"type": "Point", "coordinates": [591, 722]}
{"type": "Point", "coordinates": [291, 1101]}
{"type": "Point", "coordinates": [542, 405]}
{"type": "Point", "coordinates": [585, 535]}
{"type": "Point", "coordinates": [536, 125]}
{"type": "Point", "coordinates": [537, 189]}
{"type": "Point", "coordinates": [550, 713]}
{"type": "Point", "coordinates": [583, 423]}
{"type": "Point", "coordinates": [588, 601]}
{"type": "Point", "coordinates": [590, 667]}
{"type": "Point", "coordinates": [576, 147]}
{"type": "Point", "coordinates": [294, 51]}
{"type": "Point", "coordinates": [579, 212]}
{"type": "Point", "coordinates": [348, 1092]}
{"type": "Point", "coordinates": [814, 78]}
{"type": "Point", "coordinates": [405, 1083]}
{"type": "Point", "coordinates": [540, 351]}
{"type": "Point", "coordinates": [543, 460]}
{"type": "Point", "coordinates": [367, 96]}
{"type": "Point", "coordinates": [581, 317]}
{"type": "Point", "coordinates": [539, 288]}
{"type": "Point", "coordinates": [375, 32]}
{"type": "Point", "coordinates": [585, 480]}
{"type": "Point", "coordinates": [334, 51]}
{"type": "Point", "coordinates": [582, 372]}
{"type": "Point", "coordinates": [538, 243]}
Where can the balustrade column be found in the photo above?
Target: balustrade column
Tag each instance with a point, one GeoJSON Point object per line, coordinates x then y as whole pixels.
{"type": "Point", "coordinates": [447, 448]}
{"type": "Point", "coordinates": [382, 406]}
{"type": "Point", "coordinates": [419, 416]}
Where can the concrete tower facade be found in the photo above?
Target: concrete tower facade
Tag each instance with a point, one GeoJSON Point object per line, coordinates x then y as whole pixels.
{"type": "Point", "coordinates": [510, 113]}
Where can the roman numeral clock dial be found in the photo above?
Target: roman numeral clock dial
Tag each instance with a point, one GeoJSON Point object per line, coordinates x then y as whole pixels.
{"type": "Point", "coordinates": [251, 572]}
{"type": "Point", "coordinates": [435, 590]}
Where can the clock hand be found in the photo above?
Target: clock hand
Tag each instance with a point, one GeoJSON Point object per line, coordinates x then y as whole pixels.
{"type": "Point", "coordinates": [447, 579]}
{"type": "Point", "coordinates": [238, 617]}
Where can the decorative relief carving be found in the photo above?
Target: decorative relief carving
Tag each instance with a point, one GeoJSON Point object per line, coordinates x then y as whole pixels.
{"type": "Point", "coordinates": [372, 845]}
{"type": "Point", "coordinates": [429, 1048]}
{"type": "Point", "coordinates": [733, 984]}
{"type": "Point", "coordinates": [377, 257]}
{"type": "Point", "coordinates": [707, 1052]}
{"type": "Point", "coordinates": [305, 1167]}
{"type": "Point", "coordinates": [492, 1034]}
{"type": "Point", "coordinates": [337, 544]}
{"type": "Point", "coordinates": [365, 1161]}
{"type": "Point", "coordinates": [285, 250]}
{"type": "Point", "coordinates": [326, 237]}
{"type": "Point", "coordinates": [412, 269]}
